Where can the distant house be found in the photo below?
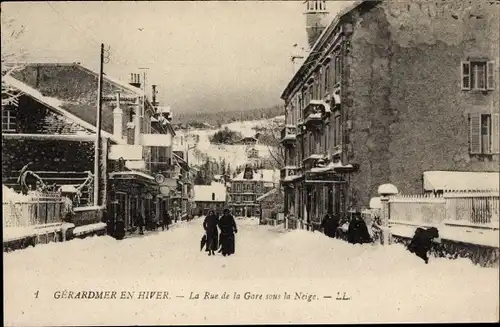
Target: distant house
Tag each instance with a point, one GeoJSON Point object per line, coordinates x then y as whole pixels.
{"type": "Point", "coordinates": [247, 186]}
{"type": "Point", "coordinates": [271, 206]}
{"type": "Point", "coordinates": [209, 197]}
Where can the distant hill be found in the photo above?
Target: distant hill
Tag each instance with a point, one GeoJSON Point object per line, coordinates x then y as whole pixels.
{"type": "Point", "coordinates": [216, 119]}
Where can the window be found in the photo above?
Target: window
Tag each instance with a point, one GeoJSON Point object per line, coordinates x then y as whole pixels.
{"type": "Point", "coordinates": [338, 69]}
{"type": "Point", "coordinates": [326, 77]}
{"type": "Point", "coordinates": [8, 119]}
{"type": "Point", "coordinates": [484, 133]}
{"type": "Point", "coordinates": [213, 196]}
{"type": "Point", "coordinates": [478, 75]}
{"type": "Point", "coordinates": [337, 138]}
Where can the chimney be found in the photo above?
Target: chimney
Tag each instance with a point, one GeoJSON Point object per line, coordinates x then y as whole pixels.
{"type": "Point", "coordinates": [316, 20]}
{"type": "Point", "coordinates": [135, 80]}
{"type": "Point", "coordinates": [118, 118]}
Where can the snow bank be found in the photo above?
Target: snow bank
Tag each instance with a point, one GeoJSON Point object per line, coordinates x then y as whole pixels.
{"type": "Point", "coordinates": [88, 228]}
{"type": "Point", "coordinates": [9, 195]}
{"type": "Point", "coordinates": [385, 284]}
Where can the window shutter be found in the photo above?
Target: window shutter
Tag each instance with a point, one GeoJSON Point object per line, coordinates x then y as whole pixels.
{"type": "Point", "coordinates": [475, 133]}
{"type": "Point", "coordinates": [466, 76]}
{"type": "Point", "coordinates": [495, 133]}
{"type": "Point", "coordinates": [490, 75]}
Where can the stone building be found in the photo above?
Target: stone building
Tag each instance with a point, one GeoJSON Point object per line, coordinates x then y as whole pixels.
{"type": "Point", "coordinates": [388, 91]}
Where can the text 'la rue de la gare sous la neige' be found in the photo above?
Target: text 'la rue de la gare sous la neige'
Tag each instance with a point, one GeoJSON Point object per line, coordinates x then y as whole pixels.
{"type": "Point", "coordinates": [164, 295]}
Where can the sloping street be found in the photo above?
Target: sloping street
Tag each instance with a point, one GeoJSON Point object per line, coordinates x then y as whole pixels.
{"type": "Point", "coordinates": [376, 284]}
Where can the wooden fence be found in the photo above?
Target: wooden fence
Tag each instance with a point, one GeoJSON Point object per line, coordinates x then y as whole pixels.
{"type": "Point", "coordinates": [481, 209]}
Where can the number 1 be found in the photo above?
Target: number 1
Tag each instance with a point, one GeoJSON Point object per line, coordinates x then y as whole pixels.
{"type": "Point", "coordinates": [36, 294]}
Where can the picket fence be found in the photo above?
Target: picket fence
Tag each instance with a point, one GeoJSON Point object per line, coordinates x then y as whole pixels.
{"type": "Point", "coordinates": [468, 208]}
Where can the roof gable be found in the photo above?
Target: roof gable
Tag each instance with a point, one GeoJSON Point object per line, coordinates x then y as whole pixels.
{"type": "Point", "coordinates": [54, 105]}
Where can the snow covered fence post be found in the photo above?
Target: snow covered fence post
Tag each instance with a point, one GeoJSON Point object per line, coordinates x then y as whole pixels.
{"type": "Point", "coordinates": [385, 190]}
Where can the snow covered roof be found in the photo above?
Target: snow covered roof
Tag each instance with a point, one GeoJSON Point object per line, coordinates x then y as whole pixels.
{"type": "Point", "coordinates": [113, 80]}
{"type": "Point", "coordinates": [55, 105]}
{"type": "Point", "coordinates": [461, 181]}
{"type": "Point", "coordinates": [215, 192]}
{"type": "Point", "coordinates": [264, 175]}
{"type": "Point", "coordinates": [331, 166]}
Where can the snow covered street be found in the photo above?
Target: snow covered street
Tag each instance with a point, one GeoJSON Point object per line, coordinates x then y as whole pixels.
{"type": "Point", "coordinates": [381, 284]}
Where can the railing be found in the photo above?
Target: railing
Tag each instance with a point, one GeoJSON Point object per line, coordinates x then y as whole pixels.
{"type": "Point", "coordinates": [35, 212]}
{"type": "Point", "coordinates": [468, 209]}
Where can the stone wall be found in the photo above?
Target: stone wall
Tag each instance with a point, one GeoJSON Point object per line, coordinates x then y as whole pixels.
{"type": "Point", "coordinates": [408, 111]}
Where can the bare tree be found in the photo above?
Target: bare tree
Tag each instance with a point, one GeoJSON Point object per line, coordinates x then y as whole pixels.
{"type": "Point", "coordinates": [12, 56]}
{"type": "Point", "coordinates": [271, 136]}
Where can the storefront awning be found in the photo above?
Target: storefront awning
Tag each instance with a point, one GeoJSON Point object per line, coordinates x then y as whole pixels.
{"type": "Point", "coordinates": [458, 181]}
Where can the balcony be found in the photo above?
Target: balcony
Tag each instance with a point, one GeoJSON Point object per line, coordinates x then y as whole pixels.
{"type": "Point", "coordinates": [288, 134]}
{"type": "Point", "coordinates": [315, 112]}
{"type": "Point", "coordinates": [288, 173]}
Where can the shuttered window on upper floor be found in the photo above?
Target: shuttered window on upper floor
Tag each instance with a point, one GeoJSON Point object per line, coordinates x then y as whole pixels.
{"type": "Point", "coordinates": [478, 75]}
{"type": "Point", "coordinates": [484, 132]}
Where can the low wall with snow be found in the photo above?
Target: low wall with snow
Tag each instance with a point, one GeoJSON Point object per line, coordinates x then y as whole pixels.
{"type": "Point", "coordinates": [87, 216]}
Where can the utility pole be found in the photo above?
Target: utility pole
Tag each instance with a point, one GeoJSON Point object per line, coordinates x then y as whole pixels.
{"type": "Point", "coordinates": [97, 152]}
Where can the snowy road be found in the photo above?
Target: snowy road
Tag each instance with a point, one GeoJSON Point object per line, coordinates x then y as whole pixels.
{"type": "Point", "coordinates": [383, 284]}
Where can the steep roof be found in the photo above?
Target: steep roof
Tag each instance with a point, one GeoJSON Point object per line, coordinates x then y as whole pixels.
{"type": "Point", "coordinates": [55, 105]}
{"type": "Point", "coordinates": [76, 86]}
{"type": "Point", "coordinates": [203, 193]}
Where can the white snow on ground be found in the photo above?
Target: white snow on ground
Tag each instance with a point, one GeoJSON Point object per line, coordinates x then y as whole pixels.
{"type": "Point", "coordinates": [385, 284]}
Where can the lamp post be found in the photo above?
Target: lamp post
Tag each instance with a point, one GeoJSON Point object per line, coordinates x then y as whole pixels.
{"type": "Point", "coordinates": [386, 190]}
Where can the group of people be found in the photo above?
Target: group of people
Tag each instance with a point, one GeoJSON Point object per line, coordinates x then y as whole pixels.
{"type": "Point", "coordinates": [356, 231]}
{"type": "Point", "coordinates": [223, 242]}
{"type": "Point", "coordinates": [424, 240]}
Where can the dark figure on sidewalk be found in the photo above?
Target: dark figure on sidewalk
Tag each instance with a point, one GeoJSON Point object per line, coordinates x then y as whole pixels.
{"type": "Point", "coordinates": [165, 221]}
{"type": "Point", "coordinates": [140, 221]}
{"type": "Point", "coordinates": [210, 226]}
{"type": "Point", "coordinates": [357, 231]}
{"type": "Point", "coordinates": [422, 242]}
{"type": "Point", "coordinates": [329, 226]}
{"type": "Point", "coordinates": [228, 228]}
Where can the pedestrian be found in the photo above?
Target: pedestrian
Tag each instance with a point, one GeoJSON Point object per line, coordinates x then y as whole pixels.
{"type": "Point", "coordinates": [140, 221]}
{"type": "Point", "coordinates": [211, 231]}
{"type": "Point", "coordinates": [165, 220]}
{"type": "Point", "coordinates": [228, 228]}
{"type": "Point", "coordinates": [357, 231]}
{"type": "Point", "coordinates": [422, 242]}
{"type": "Point", "coordinates": [325, 225]}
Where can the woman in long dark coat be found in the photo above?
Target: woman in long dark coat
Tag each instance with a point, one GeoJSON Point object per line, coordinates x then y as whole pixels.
{"type": "Point", "coordinates": [210, 226]}
{"type": "Point", "coordinates": [228, 228]}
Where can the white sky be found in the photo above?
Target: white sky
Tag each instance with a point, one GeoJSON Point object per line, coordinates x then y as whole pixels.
{"type": "Point", "coordinates": [203, 55]}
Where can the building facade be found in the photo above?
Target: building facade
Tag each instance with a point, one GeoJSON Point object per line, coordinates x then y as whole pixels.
{"type": "Point", "coordinates": [210, 197]}
{"type": "Point", "coordinates": [136, 174]}
{"type": "Point", "coordinates": [389, 91]}
{"type": "Point", "coordinates": [247, 186]}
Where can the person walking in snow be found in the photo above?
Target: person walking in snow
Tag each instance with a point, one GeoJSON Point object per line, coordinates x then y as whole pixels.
{"type": "Point", "coordinates": [211, 231]}
{"type": "Point", "coordinates": [140, 221]}
{"type": "Point", "coordinates": [228, 228]}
